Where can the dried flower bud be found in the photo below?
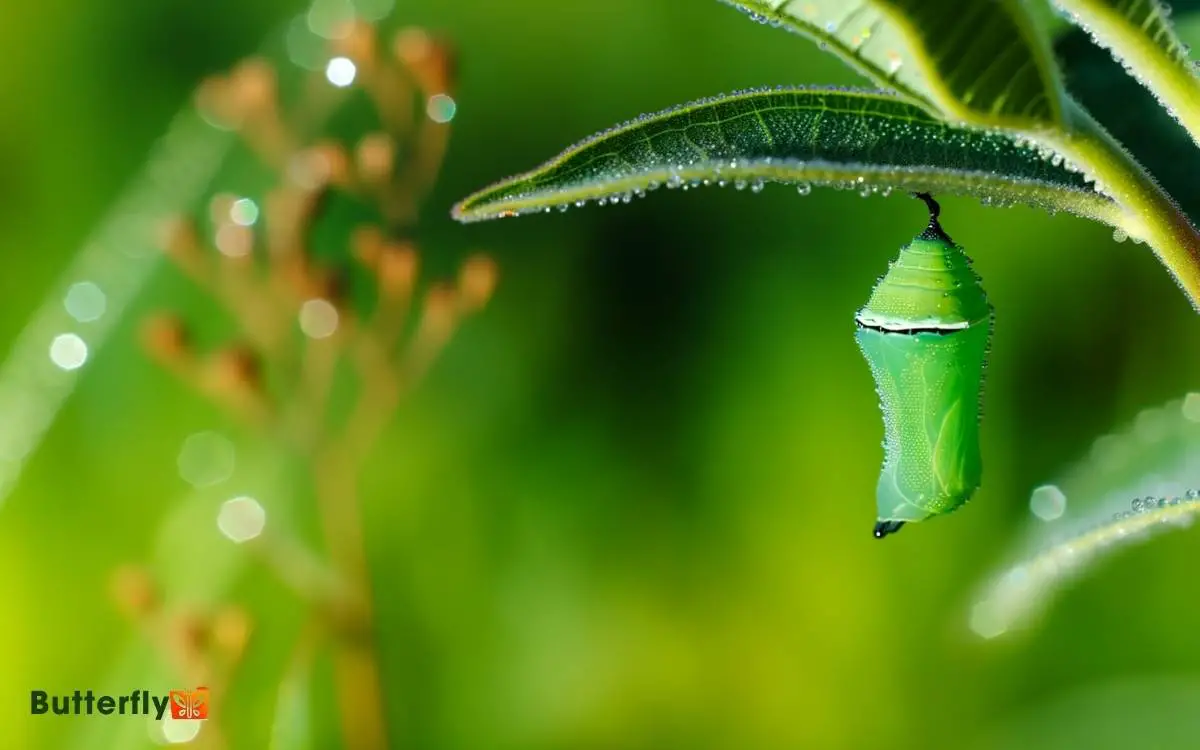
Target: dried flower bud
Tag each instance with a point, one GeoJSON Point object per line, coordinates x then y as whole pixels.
{"type": "Point", "coordinates": [438, 318]}
{"type": "Point", "coordinates": [234, 241]}
{"type": "Point", "coordinates": [180, 239]}
{"type": "Point", "coordinates": [376, 156]}
{"type": "Point", "coordinates": [287, 211]}
{"type": "Point", "coordinates": [214, 101]}
{"type": "Point", "coordinates": [329, 165]}
{"type": "Point", "coordinates": [357, 43]}
{"type": "Point", "coordinates": [220, 207]}
{"type": "Point", "coordinates": [253, 85]}
{"type": "Point", "coordinates": [309, 281]}
{"type": "Point", "coordinates": [190, 634]}
{"type": "Point", "coordinates": [367, 244]}
{"type": "Point", "coordinates": [397, 269]}
{"type": "Point", "coordinates": [235, 370]}
{"type": "Point", "coordinates": [477, 281]}
{"type": "Point", "coordinates": [231, 630]}
{"type": "Point", "coordinates": [429, 61]}
{"type": "Point", "coordinates": [134, 591]}
{"type": "Point", "coordinates": [166, 338]}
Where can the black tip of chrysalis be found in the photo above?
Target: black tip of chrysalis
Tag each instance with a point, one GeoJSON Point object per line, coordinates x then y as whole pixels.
{"type": "Point", "coordinates": [934, 231]}
{"type": "Point", "coordinates": [883, 528]}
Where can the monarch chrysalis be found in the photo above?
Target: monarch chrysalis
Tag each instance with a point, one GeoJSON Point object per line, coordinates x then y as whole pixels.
{"type": "Point", "coordinates": [924, 333]}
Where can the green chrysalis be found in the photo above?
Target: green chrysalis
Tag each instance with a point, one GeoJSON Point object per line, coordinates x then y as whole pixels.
{"type": "Point", "coordinates": [924, 333]}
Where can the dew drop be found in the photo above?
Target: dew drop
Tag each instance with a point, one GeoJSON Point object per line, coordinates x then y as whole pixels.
{"type": "Point", "coordinates": [804, 188]}
{"type": "Point", "coordinates": [1119, 235]}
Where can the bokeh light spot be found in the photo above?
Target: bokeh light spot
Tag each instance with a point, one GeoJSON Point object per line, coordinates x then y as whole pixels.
{"type": "Point", "coordinates": [318, 318]}
{"type": "Point", "coordinates": [244, 212]}
{"type": "Point", "coordinates": [85, 302]}
{"type": "Point", "coordinates": [1048, 502]}
{"type": "Point", "coordinates": [241, 519]}
{"type": "Point", "coordinates": [441, 108]}
{"type": "Point", "coordinates": [68, 351]}
{"type": "Point", "coordinates": [341, 71]}
{"type": "Point", "coordinates": [206, 458]}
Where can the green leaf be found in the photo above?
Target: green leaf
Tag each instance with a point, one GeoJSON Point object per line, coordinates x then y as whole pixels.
{"type": "Point", "coordinates": [1148, 20]}
{"type": "Point", "coordinates": [860, 34]}
{"type": "Point", "coordinates": [861, 140]}
{"type": "Point", "coordinates": [1139, 33]}
{"type": "Point", "coordinates": [1131, 114]}
{"type": "Point", "coordinates": [977, 61]}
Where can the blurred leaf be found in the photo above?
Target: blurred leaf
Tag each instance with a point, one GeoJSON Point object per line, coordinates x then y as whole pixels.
{"type": "Point", "coordinates": [1131, 113]}
{"type": "Point", "coordinates": [979, 62]}
{"type": "Point", "coordinates": [861, 140]}
{"type": "Point", "coordinates": [1088, 513]}
{"type": "Point", "coordinates": [1023, 589]}
{"type": "Point", "coordinates": [291, 728]}
{"type": "Point", "coordinates": [1147, 713]}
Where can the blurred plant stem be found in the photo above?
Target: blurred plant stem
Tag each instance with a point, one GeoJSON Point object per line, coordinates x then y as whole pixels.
{"type": "Point", "coordinates": [272, 279]}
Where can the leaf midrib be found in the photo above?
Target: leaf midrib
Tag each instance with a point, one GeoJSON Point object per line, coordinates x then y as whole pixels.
{"type": "Point", "coordinates": [757, 111]}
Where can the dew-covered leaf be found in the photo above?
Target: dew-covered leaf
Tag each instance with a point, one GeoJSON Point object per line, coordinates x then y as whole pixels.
{"type": "Point", "coordinates": [863, 140]}
{"type": "Point", "coordinates": [857, 32]}
{"type": "Point", "coordinates": [978, 61]}
{"type": "Point", "coordinates": [1132, 114]}
{"type": "Point", "coordinates": [1140, 35]}
{"type": "Point", "coordinates": [1024, 588]}
{"type": "Point", "coordinates": [1123, 24]}
{"type": "Point", "coordinates": [1088, 512]}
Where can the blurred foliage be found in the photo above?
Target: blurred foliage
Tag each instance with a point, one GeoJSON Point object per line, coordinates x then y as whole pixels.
{"type": "Point", "coordinates": [631, 506]}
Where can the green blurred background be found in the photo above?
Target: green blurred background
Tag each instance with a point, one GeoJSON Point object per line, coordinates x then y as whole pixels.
{"type": "Point", "coordinates": [631, 506]}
